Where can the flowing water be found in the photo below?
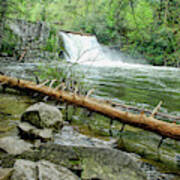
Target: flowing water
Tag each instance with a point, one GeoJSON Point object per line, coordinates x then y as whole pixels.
{"type": "Point", "coordinates": [121, 78]}
{"type": "Point", "coordinates": [112, 74]}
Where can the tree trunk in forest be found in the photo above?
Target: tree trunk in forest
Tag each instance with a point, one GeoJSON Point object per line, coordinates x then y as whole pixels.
{"type": "Point", "coordinates": [3, 10]}
{"type": "Point", "coordinates": [170, 130]}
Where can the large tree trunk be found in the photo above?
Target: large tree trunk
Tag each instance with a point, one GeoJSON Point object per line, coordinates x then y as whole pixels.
{"type": "Point", "coordinates": [164, 129]}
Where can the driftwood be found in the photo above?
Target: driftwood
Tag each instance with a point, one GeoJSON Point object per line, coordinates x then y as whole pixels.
{"type": "Point", "coordinates": [170, 130]}
{"type": "Point", "coordinates": [22, 55]}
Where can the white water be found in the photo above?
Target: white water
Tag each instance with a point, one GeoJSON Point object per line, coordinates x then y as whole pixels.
{"type": "Point", "coordinates": [86, 50]}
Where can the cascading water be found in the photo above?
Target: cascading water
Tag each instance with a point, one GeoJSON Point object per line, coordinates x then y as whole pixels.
{"type": "Point", "coordinates": [117, 77]}
{"type": "Point", "coordinates": [82, 49]}
{"type": "Point", "coordinates": [87, 50]}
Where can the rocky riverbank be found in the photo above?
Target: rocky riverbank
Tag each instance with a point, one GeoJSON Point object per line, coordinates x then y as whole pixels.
{"type": "Point", "coordinates": [37, 141]}
{"type": "Point", "coordinates": [66, 153]}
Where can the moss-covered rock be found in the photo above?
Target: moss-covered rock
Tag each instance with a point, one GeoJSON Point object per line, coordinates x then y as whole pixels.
{"type": "Point", "coordinates": [146, 144]}
{"type": "Point", "coordinates": [92, 163]}
{"type": "Point", "coordinates": [43, 115]}
{"type": "Point", "coordinates": [27, 131]}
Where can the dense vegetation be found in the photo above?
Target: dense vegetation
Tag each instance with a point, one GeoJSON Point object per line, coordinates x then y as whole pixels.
{"type": "Point", "coordinates": [149, 28]}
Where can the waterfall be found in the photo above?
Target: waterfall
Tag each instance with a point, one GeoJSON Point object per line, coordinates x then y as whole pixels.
{"type": "Point", "coordinates": [87, 50]}
{"type": "Point", "coordinates": [81, 48]}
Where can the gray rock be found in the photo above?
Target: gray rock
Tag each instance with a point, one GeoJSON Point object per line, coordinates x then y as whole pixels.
{"type": "Point", "coordinates": [70, 137]}
{"type": "Point", "coordinates": [145, 144]}
{"type": "Point", "coordinates": [5, 173]}
{"type": "Point", "coordinates": [42, 170]}
{"type": "Point", "coordinates": [42, 115]}
{"type": "Point", "coordinates": [14, 145]}
{"type": "Point", "coordinates": [92, 162]}
{"type": "Point", "coordinates": [48, 171]}
{"type": "Point", "coordinates": [29, 131]}
{"type": "Point", "coordinates": [24, 170]}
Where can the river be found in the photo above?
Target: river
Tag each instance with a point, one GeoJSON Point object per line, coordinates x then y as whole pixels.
{"type": "Point", "coordinates": [113, 75]}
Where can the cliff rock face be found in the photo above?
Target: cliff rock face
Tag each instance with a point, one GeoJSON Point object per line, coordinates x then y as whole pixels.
{"type": "Point", "coordinates": [32, 34]}
{"type": "Point", "coordinates": [31, 41]}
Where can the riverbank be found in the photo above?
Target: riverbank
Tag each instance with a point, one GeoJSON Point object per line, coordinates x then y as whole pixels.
{"type": "Point", "coordinates": [87, 157]}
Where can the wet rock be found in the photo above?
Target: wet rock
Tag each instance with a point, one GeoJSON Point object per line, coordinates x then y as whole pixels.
{"type": "Point", "coordinates": [69, 136]}
{"type": "Point", "coordinates": [14, 145]}
{"type": "Point", "coordinates": [28, 131]}
{"type": "Point", "coordinates": [42, 170]}
{"type": "Point", "coordinates": [5, 173]}
{"type": "Point", "coordinates": [146, 143]}
{"type": "Point", "coordinates": [42, 115]}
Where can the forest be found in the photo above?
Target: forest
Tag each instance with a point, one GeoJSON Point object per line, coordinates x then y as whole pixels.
{"type": "Point", "coordinates": [141, 28]}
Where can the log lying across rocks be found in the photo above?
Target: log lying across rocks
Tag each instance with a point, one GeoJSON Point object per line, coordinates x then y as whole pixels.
{"type": "Point", "coordinates": [170, 130]}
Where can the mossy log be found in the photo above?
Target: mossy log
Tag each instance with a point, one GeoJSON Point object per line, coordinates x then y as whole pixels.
{"type": "Point", "coordinates": [170, 130]}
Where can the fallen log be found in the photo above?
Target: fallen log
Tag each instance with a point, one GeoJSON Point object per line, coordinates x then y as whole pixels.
{"type": "Point", "coordinates": [170, 130]}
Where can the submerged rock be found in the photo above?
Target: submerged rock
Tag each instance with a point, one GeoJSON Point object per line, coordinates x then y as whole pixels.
{"type": "Point", "coordinates": [14, 145]}
{"type": "Point", "coordinates": [42, 170]}
{"type": "Point", "coordinates": [42, 115]}
{"type": "Point", "coordinates": [28, 131]}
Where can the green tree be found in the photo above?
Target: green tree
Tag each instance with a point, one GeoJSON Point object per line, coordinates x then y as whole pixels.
{"type": "Point", "coordinates": [3, 11]}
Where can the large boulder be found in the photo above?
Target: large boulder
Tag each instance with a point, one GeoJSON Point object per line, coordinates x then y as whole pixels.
{"type": "Point", "coordinates": [42, 170]}
{"type": "Point", "coordinates": [146, 143]}
{"type": "Point", "coordinates": [89, 163]}
{"type": "Point", "coordinates": [14, 145]}
{"type": "Point", "coordinates": [43, 115]}
{"type": "Point", "coordinates": [28, 131]}
{"type": "Point", "coordinates": [96, 163]}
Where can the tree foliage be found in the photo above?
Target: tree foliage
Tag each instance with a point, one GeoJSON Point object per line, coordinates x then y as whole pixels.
{"type": "Point", "coordinates": [146, 27]}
